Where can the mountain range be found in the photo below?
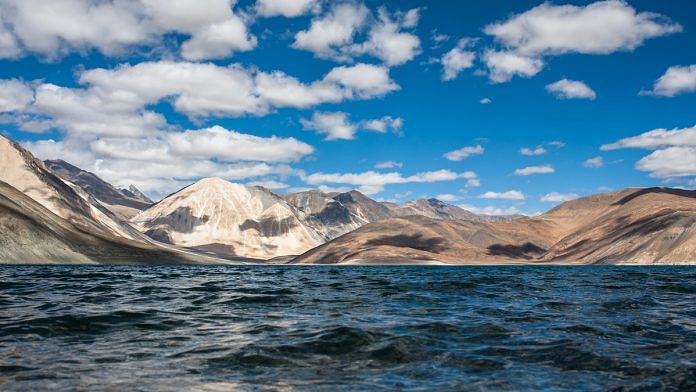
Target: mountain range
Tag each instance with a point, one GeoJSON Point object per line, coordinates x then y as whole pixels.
{"type": "Point", "coordinates": [55, 212]}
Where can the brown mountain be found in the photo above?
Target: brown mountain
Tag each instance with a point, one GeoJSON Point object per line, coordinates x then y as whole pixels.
{"type": "Point", "coordinates": [642, 226]}
{"type": "Point", "coordinates": [21, 170]}
{"type": "Point", "coordinates": [126, 205]}
{"type": "Point", "coordinates": [33, 234]}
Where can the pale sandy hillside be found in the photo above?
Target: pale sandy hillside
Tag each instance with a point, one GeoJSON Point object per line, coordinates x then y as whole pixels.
{"type": "Point", "coordinates": [217, 215]}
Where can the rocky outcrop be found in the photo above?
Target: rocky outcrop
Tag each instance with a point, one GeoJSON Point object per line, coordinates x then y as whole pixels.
{"type": "Point", "coordinates": [124, 202]}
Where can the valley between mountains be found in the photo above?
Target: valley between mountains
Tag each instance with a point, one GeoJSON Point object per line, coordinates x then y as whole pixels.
{"type": "Point", "coordinates": [54, 212]}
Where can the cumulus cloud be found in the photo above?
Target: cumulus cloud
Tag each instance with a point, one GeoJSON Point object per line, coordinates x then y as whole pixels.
{"type": "Point", "coordinates": [337, 125]}
{"type": "Point", "coordinates": [447, 197]}
{"type": "Point", "coordinates": [504, 65]}
{"type": "Point", "coordinates": [491, 210]}
{"type": "Point", "coordinates": [286, 8]}
{"type": "Point", "coordinates": [15, 95]}
{"type": "Point", "coordinates": [372, 182]}
{"type": "Point", "coordinates": [571, 89]}
{"type": "Point", "coordinates": [54, 29]}
{"type": "Point", "coordinates": [457, 60]}
{"type": "Point", "coordinates": [532, 152]}
{"type": "Point", "coordinates": [674, 155]}
{"type": "Point", "coordinates": [555, 197]}
{"type": "Point", "coordinates": [485, 101]}
{"type": "Point", "coordinates": [464, 152]}
{"type": "Point", "coordinates": [670, 162]}
{"type": "Point", "coordinates": [115, 101]}
{"type": "Point", "coordinates": [333, 34]}
{"type": "Point", "coordinates": [602, 27]}
{"type": "Point", "coordinates": [161, 164]}
{"type": "Point", "coordinates": [508, 195]}
{"type": "Point", "coordinates": [677, 80]}
{"type": "Point", "coordinates": [269, 184]}
{"type": "Point", "coordinates": [594, 163]}
{"type": "Point", "coordinates": [530, 170]}
{"type": "Point", "coordinates": [333, 30]}
{"type": "Point", "coordinates": [334, 125]}
{"type": "Point", "coordinates": [657, 138]}
{"type": "Point", "coordinates": [389, 165]}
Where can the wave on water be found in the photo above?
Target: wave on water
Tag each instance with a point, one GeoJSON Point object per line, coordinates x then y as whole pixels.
{"type": "Point", "coordinates": [347, 328]}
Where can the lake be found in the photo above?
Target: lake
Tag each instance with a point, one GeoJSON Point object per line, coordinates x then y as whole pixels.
{"type": "Point", "coordinates": [224, 328]}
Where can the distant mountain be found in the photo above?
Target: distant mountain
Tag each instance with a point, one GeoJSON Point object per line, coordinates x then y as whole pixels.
{"type": "Point", "coordinates": [433, 208]}
{"type": "Point", "coordinates": [135, 193]}
{"type": "Point", "coordinates": [325, 214]}
{"type": "Point", "coordinates": [30, 233]}
{"type": "Point", "coordinates": [635, 226]}
{"type": "Point", "coordinates": [127, 203]}
{"type": "Point", "coordinates": [366, 209]}
{"type": "Point", "coordinates": [231, 219]}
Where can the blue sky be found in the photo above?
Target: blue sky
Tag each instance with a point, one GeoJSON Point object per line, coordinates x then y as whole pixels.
{"type": "Point", "coordinates": [284, 94]}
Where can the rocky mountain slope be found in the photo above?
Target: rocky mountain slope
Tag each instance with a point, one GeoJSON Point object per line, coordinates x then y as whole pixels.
{"type": "Point", "coordinates": [324, 214]}
{"type": "Point", "coordinates": [643, 226]}
{"type": "Point", "coordinates": [231, 219]}
{"type": "Point", "coordinates": [30, 233]}
{"type": "Point", "coordinates": [21, 170]}
{"type": "Point", "coordinates": [126, 203]}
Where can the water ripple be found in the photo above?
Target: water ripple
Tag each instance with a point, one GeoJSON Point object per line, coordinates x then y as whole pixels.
{"type": "Point", "coordinates": [356, 328]}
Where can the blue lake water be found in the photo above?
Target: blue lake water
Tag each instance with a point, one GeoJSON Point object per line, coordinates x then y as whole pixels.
{"type": "Point", "coordinates": [347, 328]}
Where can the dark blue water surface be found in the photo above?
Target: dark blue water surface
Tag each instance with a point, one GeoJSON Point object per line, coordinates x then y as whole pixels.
{"type": "Point", "coordinates": [347, 328]}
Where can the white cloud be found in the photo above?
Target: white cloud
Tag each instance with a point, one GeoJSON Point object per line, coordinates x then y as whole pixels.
{"type": "Point", "coordinates": [504, 65]}
{"type": "Point", "coordinates": [657, 138]}
{"type": "Point", "coordinates": [372, 182]}
{"type": "Point", "coordinates": [286, 8]}
{"type": "Point", "coordinates": [571, 89]}
{"type": "Point", "coordinates": [555, 197]}
{"type": "Point", "coordinates": [447, 197]}
{"type": "Point", "coordinates": [556, 144]}
{"type": "Point", "coordinates": [485, 101]}
{"type": "Point", "coordinates": [594, 163]}
{"type": "Point", "coordinates": [457, 60]}
{"type": "Point", "coordinates": [54, 29]}
{"type": "Point", "coordinates": [677, 80]}
{"type": "Point", "coordinates": [602, 27]}
{"type": "Point", "coordinates": [334, 189]}
{"type": "Point", "coordinates": [463, 153]}
{"type": "Point", "coordinates": [532, 152]}
{"type": "Point", "coordinates": [336, 125]}
{"type": "Point", "coordinates": [670, 162]}
{"type": "Point", "coordinates": [227, 145]}
{"type": "Point", "coordinates": [156, 168]}
{"type": "Point", "coordinates": [332, 35]}
{"type": "Point", "coordinates": [333, 30]}
{"type": "Point", "coordinates": [269, 184]}
{"type": "Point", "coordinates": [675, 154]}
{"type": "Point", "coordinates": [363, 80]}
{"type": "Point", "coordinates": [387, 42]}
{"type": "Point", "coordinates": [15, 95]}
{"type": "Point", "coordinates": [384, 124]}
{"type": "Point", "coordinates": [530, 170]}
{"type": "Point", "coordinates": [115, 101]}
{"type": "Point", "coordinates": [389, 165]}
{"type": "Point", "coordinates": [509, 195]}
{"type": "Point", "coordinates": [491, 210]}
{"type": "Point", "coordinates": [218, 41]}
